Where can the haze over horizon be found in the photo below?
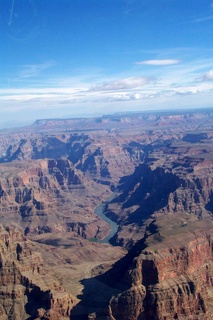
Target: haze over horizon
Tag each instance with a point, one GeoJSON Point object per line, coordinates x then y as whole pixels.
{"type": "Point", "coordinates": [94, 57]}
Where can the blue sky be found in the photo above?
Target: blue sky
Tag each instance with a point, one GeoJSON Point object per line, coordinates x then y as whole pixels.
{"type": "Point", "coordinates": [68, 58]}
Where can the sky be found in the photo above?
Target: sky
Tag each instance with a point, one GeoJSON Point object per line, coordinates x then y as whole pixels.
{"type": "Point", "coordinates": [79, 58]}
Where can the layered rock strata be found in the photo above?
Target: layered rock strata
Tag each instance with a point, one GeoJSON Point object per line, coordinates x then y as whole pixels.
{"type": "Point", "coordinates": [27, 291]}
{"type": "Point", "coordinates": [168, 188]}
{"type": "Point", "coordinates": [51, 196]}
{"type": "Point", "coordinates": [171, 275]}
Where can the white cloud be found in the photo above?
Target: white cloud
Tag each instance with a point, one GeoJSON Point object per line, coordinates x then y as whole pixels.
{"type": "Point", "coordinates": [208, 76]}
{"type": "Point", "coordinates": [159, 62]}
{"type": "Point", "coordinates": [122, 84]}
{"type": "Point", "coordinates": [185, 84]}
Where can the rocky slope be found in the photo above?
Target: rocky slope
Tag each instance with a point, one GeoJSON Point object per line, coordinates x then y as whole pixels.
{"type": "Point", "coordinates": [97, 155]}
{"type": "Point", "coordinates": [27, 289]}
{"type": "Point", "coordinates": [50, 196]}
{"type": "Point", "coordinates": [172, 179]}
{"type": "Point", "coordinates": [170, 273]}
{"type": "Point", "coordinates": [40, 279]}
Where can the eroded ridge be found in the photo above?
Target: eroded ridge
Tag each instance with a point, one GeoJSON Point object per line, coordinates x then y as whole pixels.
{"type": "Point", "coordinates": [27, 289]}
{"type": "Point", "coordinates": [172, 276]}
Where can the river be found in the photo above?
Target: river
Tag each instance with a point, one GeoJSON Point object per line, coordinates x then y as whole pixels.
{"type": "Point", "coordinates": [99, 210]}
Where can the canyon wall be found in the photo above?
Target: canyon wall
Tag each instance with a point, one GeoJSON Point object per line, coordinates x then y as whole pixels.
{"type": "Point", "coordinates": [172, 277]}
{"type": "Point", "coordinates": [27, 289]}
{"type": "Point", "coordinates": [50, 196]}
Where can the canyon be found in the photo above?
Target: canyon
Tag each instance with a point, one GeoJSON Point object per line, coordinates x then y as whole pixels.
{"type": "Point", "coordinates": [152, 173]}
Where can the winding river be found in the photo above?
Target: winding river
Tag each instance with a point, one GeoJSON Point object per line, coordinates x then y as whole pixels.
{"type": "Point", "coordinates": [99, 210]}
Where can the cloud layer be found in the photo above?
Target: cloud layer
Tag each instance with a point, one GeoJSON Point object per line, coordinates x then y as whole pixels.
{"type": "Point", "coordinates": [147, 85]}
{"type": "Point", "coordinates": [123, 84]}
{"type": "Point", "coordinates": [159, 62]}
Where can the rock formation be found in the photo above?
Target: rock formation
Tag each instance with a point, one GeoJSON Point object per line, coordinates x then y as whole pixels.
{"type": "Point", "coordinates": [31, 193]}
{"type": "Point", "coordinates": [171, 275]}
{"type": "Point", "coordinates": [54, 173]}
{"type": "Point", "coordinates": [27, 290]}
{"type": "Point", "coordinates": [170, 180]}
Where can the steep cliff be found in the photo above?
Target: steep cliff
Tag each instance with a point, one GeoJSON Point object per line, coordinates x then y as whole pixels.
{"type": "Point", "coordinates": [50, 196]}
{"type": "Point", "coordinates": [100, 156]}
{"type": "Point", "coordinates": [27, 290]}
{"type": "Point", "coordinates": [159, 187]}
{"type": "Point", "coordinates": [172, 276]}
